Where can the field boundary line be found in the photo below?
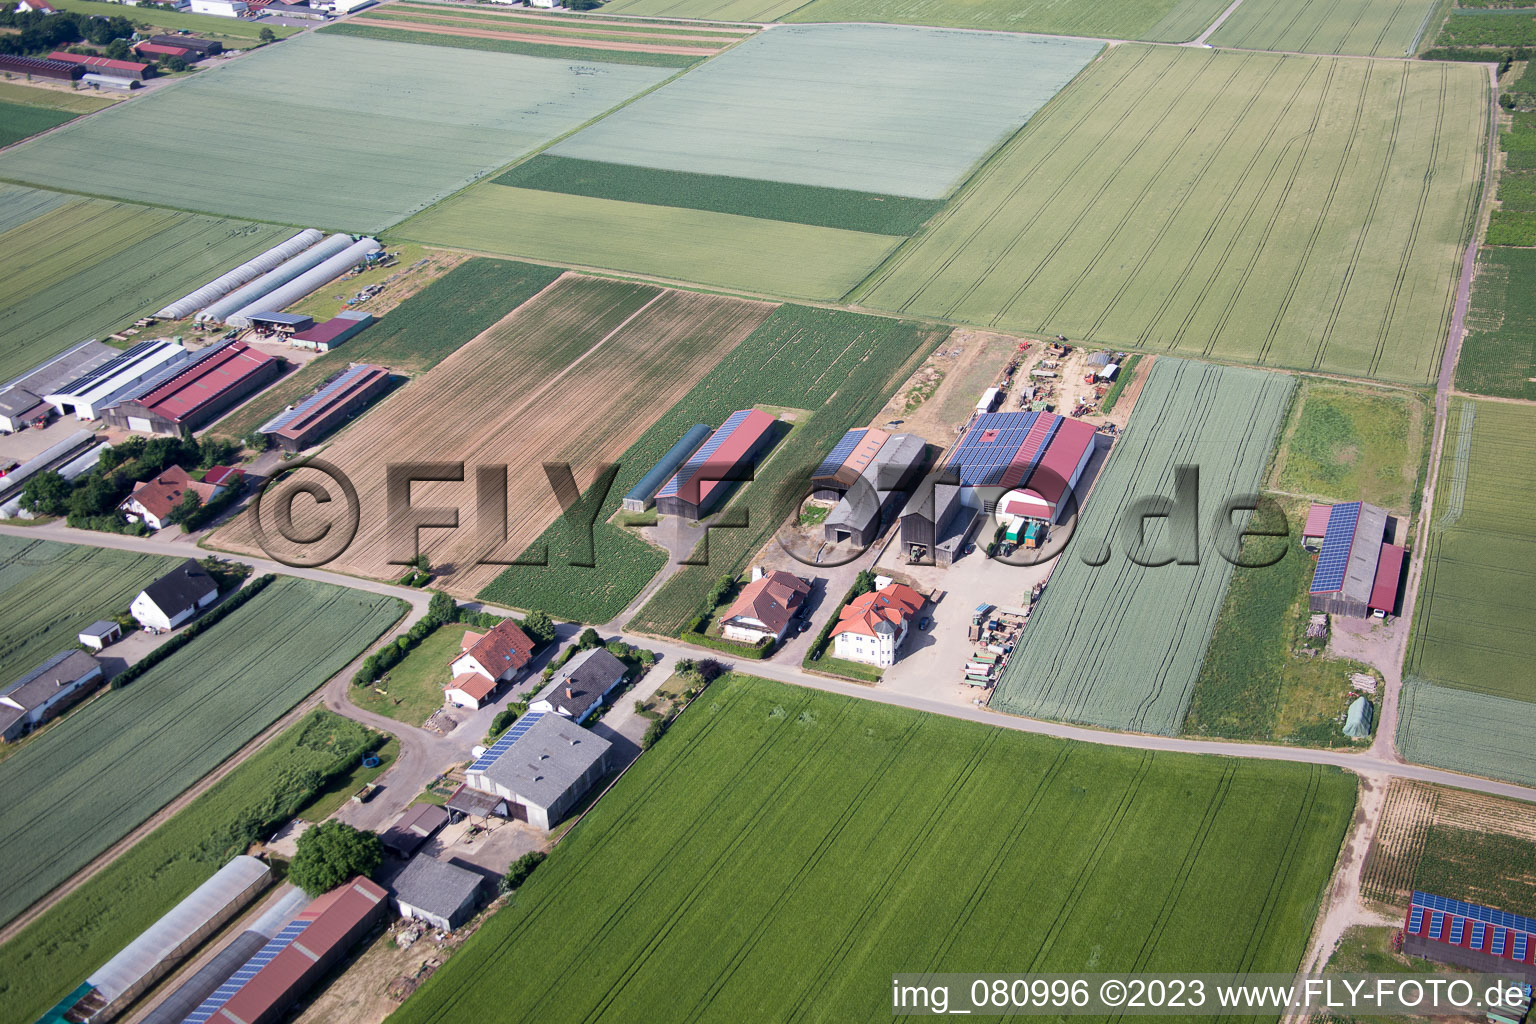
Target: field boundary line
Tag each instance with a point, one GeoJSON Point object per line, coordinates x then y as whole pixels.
{"type": "Point", "coordinates": [1202, 38]}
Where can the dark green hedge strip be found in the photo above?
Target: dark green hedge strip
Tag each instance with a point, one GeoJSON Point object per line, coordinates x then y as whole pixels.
{"type": "Point", "coordinates": [181, 639]}
{"type": "Point", "coordinates": [399, 35]}
{"type": "Point", "coordinates": [694, 634]}
{"type": "Point", "coordinates": [1477, 54]}
{"type": "Point", "coordinates": [717, 193]}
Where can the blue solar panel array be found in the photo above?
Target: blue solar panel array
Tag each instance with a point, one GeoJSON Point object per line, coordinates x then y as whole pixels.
{"type": "Point", "coordinates": [981, 463]}
{"type": "Point", "coordinates": [1416, 920]}
{"type": "Point", "coordinates": [287, 416]}
{"type": "Point", "coordinates": [701, 456]}
{"type": "Point", "coordinates": [508, 738]}
{"type": "Point", "coordinates": [225, 992]}
{"type": "Point", "coordinates": [1040, 450]}
{"type": "Point", "coordinates": [1458, 929]}
{"type": "Point", "coordinates": [1479, 932]}
{"type": "Point", "coordinates": [1437, 926]}
{"type": "Point", "coordinates": [1522, 941]}
{"type": "Point", "coordinates": [1337, 542]}
{"type": "Point", "coordinates": [839, 454]}
{"type": "Point", "coordinates": [1502, 918]}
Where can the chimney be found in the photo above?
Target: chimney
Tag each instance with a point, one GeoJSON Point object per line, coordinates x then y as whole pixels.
{"type": "Point", "coordinates": [568, 692]}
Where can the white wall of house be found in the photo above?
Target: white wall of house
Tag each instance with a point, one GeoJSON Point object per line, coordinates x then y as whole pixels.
{"type": "Point", "coordinates": [457, 697]}
{"type": "Point", "coordinates": [869, 650]}
{"type": "Point", "coordinates": [149, 615]}
{"type": "Point", "coordinates": [134, 512]}
{"type": "Point", "coordinates": [469, 663]}
{"type": "Point", "coordinates": [744, 630]}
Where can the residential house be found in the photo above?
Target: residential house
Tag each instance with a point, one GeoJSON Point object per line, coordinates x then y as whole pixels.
{"type": "Point", "coordinates": [153, 501]}
{"type": "Point", "coordinates": [872, 627]}
{"type": "Point", "coordinates": [175, 597]}
{"type": "Point", "coordinates": [577, 690]}
{"type": "Point", "coordinates": [486, 661]}
{"type": "Point", "coordinates": [765, 607]}
{"type": "Point", "coordinates": [45, 692]}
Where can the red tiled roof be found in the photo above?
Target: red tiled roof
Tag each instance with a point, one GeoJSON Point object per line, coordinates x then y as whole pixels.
{"type": "Point", "coordinates": [329, 330]}
{"type": "Point", "coordinates": [504, 646]}
{"type": "Point", "coordinates": [1317, 520]}
{"type": "Point", "coordinates": [893, 604]}
{"type": "Point", "coordinates": [160, 494]}
{"type": "Point", "coordinates": [223, 476]}
{"type": "Point", "coordinates": [99, 62]}
{"type": "Point", "coordinates": [771, 600]}
{"type": "Point", "coordinates": [472, 683]}
{"type": "Point", "coordinates": [162, 51]}
{"type": "Point", "coordinates": [205, 381]}
{"type": "Point", "coordinates": [1389, 569]}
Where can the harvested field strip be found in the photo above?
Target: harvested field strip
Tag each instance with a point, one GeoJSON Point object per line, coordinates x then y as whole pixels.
{"type": "Point", "coordinates": [416, 35]}
{"type": "Point", "coordinates": [137, 748]}
{"type": "Point", "coordinates": [744, 253]}
{"type": "Point", "coordinates": [813, 359]}
{"type": "Point", "coordinates": [21, 121]}
{"type": "Point", "coordinates": [83, 268]}
{"type": "Point", "coordinates": [1465, 731]}
{"type": "Point", "coordinates": [613, 32]}
{"type": "Point", "coordinates": [44, 961]}
{"type": "Point", "coordinates": [1393, 858]}
{"type": "Point", "coordinates": [54, 99]}
{"type": "Point", "coordinates": [414, 337]}
{"type": "Point", "coordinates": [1498, 356]}
{"type": "Point", "coordinates": [39, 578]}
{"type": "Point", "coordinates": [575, 375]}
{"type": "Point", "coordinates": [1167, 21]}
{"type": "Point", "coordinates": [1101, 648]}
{"type": "Point", "coordinates": [476, 32]}
{"type": "Point", "coordinates": [1478, 598]}
{"type": "Point", "coordinates": [769, 200]}
{"type": "Point", "coordinates": [1371, 28]}
{"type": "Point", "coordinates": [415, 137]}
{"type": "Point", "coordinates": [758, 11]}
{"type": "Point", "coordinates": [581, 21]}
{"type": "Point", "coordinates": [772, 859]}
{"type": "Point", "coordinates": [874, 108]}
{"type": "Point", "coordinates": [1335, 197]}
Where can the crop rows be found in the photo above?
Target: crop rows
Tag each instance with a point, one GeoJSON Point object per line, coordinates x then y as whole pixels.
{"type": "Point", "coordinates": [82, 268]}
{"type": "Point", "coordinates": [39, 578]}
{"type": "Point", "coordinates": [1498, 356]}
{"type": "Point", "coordinates": [1102, 647]}
{"type": "Point", "coordinates": [837, 366]}
{"type": "Point", "coordinates": [133, 750]}
{"type": "Point", "coordinates": [362, 28]}
{"type": "Point", "coordinates": [51, 955]}
{"type": "Point", "coordinates": [1393, 860]}
{"type": "Point", "coordinates": [20, 121]}
{"type": "Point", "coordinates": [777, 853]}
{"type": "Point", "coordinates": [1169, 21]}
{"type": "Point", "coordinates": [1372, 28]}
{"type": "Point", "coordinates": [1287, 211]}
{"type": "Point", "coordinates": [413, 138]}
{"type": "Point", "coordinates": [1466, 731]}
{"type": "Point", "coordinates": [1502, 28]}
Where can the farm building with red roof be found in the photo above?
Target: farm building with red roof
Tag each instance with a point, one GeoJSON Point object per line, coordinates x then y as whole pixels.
{"type": "Point", "coordinates": [41, 67]}
{"type": "Point", "coordinates": [725, 458]}
{"type": "Point", "coordinates": [155, 51]}
{"type": "Point", "coordinates": [340, 398]}
{"type": "Point", "coordinates": [105, 65]}
{"type": "Point", "coordinates": [198, 393]}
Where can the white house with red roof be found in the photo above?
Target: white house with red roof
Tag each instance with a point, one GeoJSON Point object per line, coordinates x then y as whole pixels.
{"type": "Point", "coordinates": [873, 626]}
{"type": "Point", "coordinates": [765, 607]}
{"type": "Point", "coordinates": [153, 501]}
{"type": "Point", "coordinates": [40, 6]}
{"type": "Point", "coordinates": [486, 661]}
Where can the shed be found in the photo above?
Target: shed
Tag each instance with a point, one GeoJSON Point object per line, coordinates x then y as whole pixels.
{"type": "Point", "coordinates": [540, 768]}
{"type": "Point", "coordinates": [100, 633]}
{"type": "Point", "coordinates": [340, 398]}
{"type": "Point", "coordinates": [438, 892]}
{"type": "Point", "coordinates": [281, 323]}
{"type": "Point", "coordinates": [40, 67]}
{"type": "Point", "coordinates": [643, 493]}
{"type": "Point", "coordinates": [328, 335]}
{"type": "Point", "coordinates": [413, 828]}
{"type": "Point", "coordinates": [1358, 724]}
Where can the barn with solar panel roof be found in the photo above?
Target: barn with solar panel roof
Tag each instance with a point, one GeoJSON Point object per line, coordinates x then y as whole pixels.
{"type": "Point", "coordinates": [536, 771]}
{"type": "Point", "coordinates": [1470, 935]}
{"type": "Point", "coordinates": [728, 456]}
{"type": "Point", "coordinates": [1358, 573]}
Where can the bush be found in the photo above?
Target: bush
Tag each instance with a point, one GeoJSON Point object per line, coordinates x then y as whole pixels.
{"type": "Point", "coordinates": [521, 868]}
{"type": "Point", "coordinates": [653, 732]}
{"type": "Point", "coordinates": [589, 639]}
{"type": "Point", "coordinates": [504, 719]}
{"type": "Point", "coordinates": [178, 641]}
{"type": "Point", "coordinates": [441, 609]}
{"type": "Point", "coordinates": [332, 853]}
{"type": "Point", "coordinates": [693, 633]}
{"type": "Point", "coordinates": [1507, 101]}
{"type": "Point", "coordinates": [539, 627]}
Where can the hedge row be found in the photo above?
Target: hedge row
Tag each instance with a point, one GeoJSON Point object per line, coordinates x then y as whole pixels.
{"type": "Point", "coordinates": [693, 633]}
{"type": "Point", "coordinates": [863, 583]}
{"type": "Point", "coordinates": [180, 640]}
{"type": "Point", "coordinates": [1480, 54]}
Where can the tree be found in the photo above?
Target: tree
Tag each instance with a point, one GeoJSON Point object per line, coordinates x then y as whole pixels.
{"type": "Point", "coordinates": [440, 609]}
{"type": "Point", "coordinates": [215, 451]}
{"type": "Point", "coordinates": [117, 49]}
{"type": "Point", "coordinates": [266, 35]}
{"type": "Point", "coordinates": [174, 64]}
{"type": "Point", "coordinates": [521, 868]}
{"type": "Point", "coordinates": [46, 494]}
{"type": "Point", "coordinates": [126, 450]}
{"type": "Point", "coordinates": [332, 853]}
{"type": "Point", "coordinates": [256, 441]}
{"type": "Point", "coordinates": [589, 639]}
{"type": "Point", "coordinates": [187, 510]}
{"type": "Point", "coordinates": [539, 627]}
{"type": "Point", "coordinates": [1507, 101]}
{"type": "Point", "coordinates": [97, 497]}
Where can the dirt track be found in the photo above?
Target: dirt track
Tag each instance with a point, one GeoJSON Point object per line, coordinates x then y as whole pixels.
{"type": "Point", "coordinates": [524, 37]}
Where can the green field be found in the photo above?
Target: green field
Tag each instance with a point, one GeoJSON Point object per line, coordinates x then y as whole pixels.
{"type": "Point", "coordinates": [760, 257]}
{"type": "Point", "coordinates": [1479, 866]}
{"type": "Point", "coordinates": [1351, 443]}
{"type": "Point", "coordinates": [1502, 28]}
{"type": "Point", "coordinates": [414, 687]}
{"type": "Point", "coordinates": [1168, 21]}
{"type": "Point", "coordinates": [872, 108]}
{"type": "Point", "coordinates": [414, 336]}
{"type": "Point", "coordinates": [49, 957]}
{"type": "Point", "coordinates": [839, 366]}
{"type": "Point", "coordinates": [414, 136]}
{"type": "Point", "coordinates": [1372, 28]}
{"type": "Point", "coordinates": [20, 121]}
{"type": "Point", "coordinates": [1102, 647]}
{"type": "Point", "coordinates": [782, 852]}
{"type": "Point", "coordinates": [83, 268]}
{"type": "Point", "coordinates": [234, 33]}
{"type": "Point", "coordinates": [1289, 211]}
{"type": "Point", "coordinates": [133, 750]}
{"type": "Point", "coordinates": [1498, 355]}
{"type": "Point", "coordinates": [1476, 733]}
{"type": "Point", "coordinates": [1258, 681]}
{"type": "Point", "coordinates": [769, 200]}
{"type": "Point", "coordinates": [360, 29]}
{"type": "Point", "coordinates": [1513, 221]}
{"type": "Point", "coordinates": [1472, 627]}
{"type": "Point", "coordinates": [39, 578]}
{"type": "Point", "coordinates": [77, 102]}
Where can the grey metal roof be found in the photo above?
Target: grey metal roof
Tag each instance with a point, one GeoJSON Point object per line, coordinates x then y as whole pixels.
{"type": "Point", "coordinates": [1364, 554]}
{"type": "Point", "coordinates": [589, 675]}
{"type": "Point", "coordinates": [180, 589]}
{"type": "Point", "coordinates": [547, 760]}
{"type": "Point", "coordinates": [37, 686]}
{"type": "Point", "coordinates": [645, 489]}
{"type": "Point", "coordinates": [160, 940]}
{"type": "Point", "coordinates": [414, 827]}
{"type": "Point", "coordinates": [292, 319]}
{"type": "Point", "coordinates": [101, 627]}
{"type": "Point", "coordinates": [17, 400]}
{"type": "Point", "coordinates": [67, 365]}
{"type": "Point", "coordinates": [435, 886]}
